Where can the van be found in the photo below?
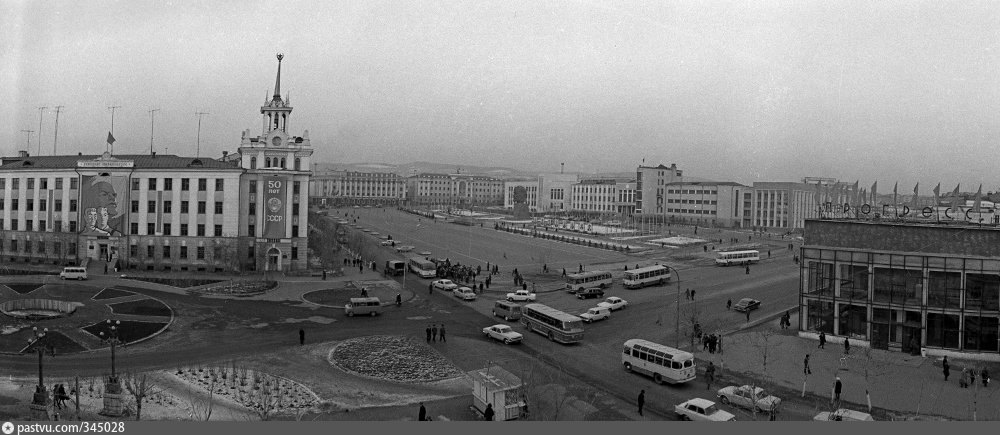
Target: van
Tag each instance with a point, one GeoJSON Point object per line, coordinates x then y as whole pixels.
{"type": "Point", "coordinates": [507, 310]}
{"type": "Point", "coordinates": [596, 313]}
{"type": "Point", "coordinates": [79, 273]}
{"type": "Point", "coordinates": [393, 267]}
{"type": "Point", "coordinates": [362, 306]}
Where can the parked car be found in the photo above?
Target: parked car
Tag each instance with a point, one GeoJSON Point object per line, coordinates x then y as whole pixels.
{"type": "Point", "coordinates": [521, 296]}
{"type": "Point", "coordinates": [375, 233]}
{"type": "Point", "coordinates": [614, 303]}
{"type": "Point", "coordinates": [596, 313]}
{"type": "Point", "coordinates": [592, 292]}
{"type": "Point", "coordinates": [404, 248]}
{"type": "Point", "coordinates": [699, 409]}
{"type": "Point", "coordinates": [503, 333]}
{"type": "Point", "coordinates": [749, 397]}
{"type": "Point", "coordinates": [843, 415]}
{"type": "Point", "coordinates": [464, 293]}
{"type": "Point", "coordinates": [444, 284]}
{"type": "Point", "coordinates": [746, 304]}
{"type": "Point", "coordinates": [386, 243]}
{"type": "Point", "coordinates": [507, 310]}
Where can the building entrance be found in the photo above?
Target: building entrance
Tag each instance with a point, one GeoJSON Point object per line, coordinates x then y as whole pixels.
{"type": "Point", "coordinates": [273, 259]}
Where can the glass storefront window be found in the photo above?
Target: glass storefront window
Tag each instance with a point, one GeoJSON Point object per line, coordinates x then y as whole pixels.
{"type": "Point", "coordinates": [819, 316]}
{"type": "Point", "coordinates": [820, 278]}
{"type": "Point", "coordinates": [944, 289]}
{"type": "Point", "coordinates": [898, 286]}
{"type": "Point", "coordinates": [980, 333]}
{"type": "Point", "coordinates": [942, 330]}
{"type": "Point", "coordinates": [854, 282]}
{"type": "Point", "coordinates": [853, 321]}
{"type": "Point", "coordinates": [982, 292]}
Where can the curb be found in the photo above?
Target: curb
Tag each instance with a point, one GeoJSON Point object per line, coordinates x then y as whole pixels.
{"type": "Point", "coordinates": [759, 321]}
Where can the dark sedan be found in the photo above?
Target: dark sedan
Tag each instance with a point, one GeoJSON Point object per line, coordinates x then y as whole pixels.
{"type": "Point", "coordinates": [587, 293]}
{"type": "Point", "coordinates": [746, 304]}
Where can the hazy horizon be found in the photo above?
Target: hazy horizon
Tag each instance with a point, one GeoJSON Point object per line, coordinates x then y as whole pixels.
{"type": "Point", "coordinates": [891, 92]}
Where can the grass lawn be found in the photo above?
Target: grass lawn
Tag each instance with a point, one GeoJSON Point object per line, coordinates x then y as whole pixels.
{"type": "Point", "coordinates": [128, 331]}
{"type": "Point", "coordinates": [24, 288]}
{"type": "Point", "coordinates": [111, 293]}
{"type": "Point", "coordinates": [330, 296]}
{"type": "Point", "coordinates": [145, 307]}
{"type": "Point", "coordinates": [176, 282]}
{"type": "Point", "coordinates": [59, 341]}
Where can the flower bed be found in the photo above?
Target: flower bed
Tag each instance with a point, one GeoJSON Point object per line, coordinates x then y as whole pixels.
{"type": "Point", "coordinates": [176, 282]}
{"type": "Point", "coordinates": [144, 307]}
{"type": "Point", "coordinates": [24, 288]}
{"type": "Point", "coordinates": [263, 394]}
{"type": "Point", "coordinates": [128, 330]}
{"type": "Point", "coordinates": [238, 288]}
{"type": "Point", "coordinates": [111, 293]}
{"type": "Point", "coordinates": [392, 358]}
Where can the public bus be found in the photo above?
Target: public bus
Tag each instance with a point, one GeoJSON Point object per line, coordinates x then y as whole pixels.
{"type": "Point", "coordinates": [727, 258]}
{"type": "Point", "coordinates": [422, 267]}
{"type": "Point", "coordinates": [649, 275]}
{"type": "Point", "coordinates": [663, 363]}
{"type": "Point", "coordinates": [550, 322]}
{"type": "Point", "coordinates": [582, 280]}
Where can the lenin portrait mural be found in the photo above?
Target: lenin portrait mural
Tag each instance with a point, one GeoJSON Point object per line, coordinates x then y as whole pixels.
{"type": "Point", "coordinates": [100, 198]}
{"type": "Point", "coordinates": [520, 199]}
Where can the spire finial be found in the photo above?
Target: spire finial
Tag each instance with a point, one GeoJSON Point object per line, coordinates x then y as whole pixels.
{"type": "Point", "coordinates": [277, 81]}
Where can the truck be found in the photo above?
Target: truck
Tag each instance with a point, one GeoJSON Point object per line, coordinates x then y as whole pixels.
{"type": "Point", "coordinates": [521, 296]}
{"type": "Point", "coordinates": [394, 267]}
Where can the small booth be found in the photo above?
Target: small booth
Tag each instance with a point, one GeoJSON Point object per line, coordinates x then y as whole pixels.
{"type": "Point", "coordinates": [501, 388]}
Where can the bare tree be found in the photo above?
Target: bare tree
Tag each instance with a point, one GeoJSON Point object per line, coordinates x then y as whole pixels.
{"type": "Point", "coordinates": [692, 324]}
{"type": "Point", "coordinates": [264, 399]}
{"type": "Point", "coordinates": [140, 387]}
{"type": "Point", "coordinates": [764, 348]}
{"type": "Point", "coordinates": [200, 407]}
{"type": "Point", "coordinates": [872, 369]}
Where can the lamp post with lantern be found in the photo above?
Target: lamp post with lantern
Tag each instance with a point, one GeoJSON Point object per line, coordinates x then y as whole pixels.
{"type": "Point", "coordinates": [41, 405]}
{"type": "Point", "coordinates": [113, 404]}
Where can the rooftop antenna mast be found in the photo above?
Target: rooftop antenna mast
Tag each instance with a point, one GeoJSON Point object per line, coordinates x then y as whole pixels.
{"type": "Point", "coordinates": [40, 109]}
{"type": "Point", "coordinates": [152, 116]}
{"type": "Point", "coordinates": [113, 108]}
{"type": "Point", "coordinates": [199, 115]}
{"type": "Point", "coordinates": [55, 140]}
{"type": "Point", "coordinates": [27, 147]}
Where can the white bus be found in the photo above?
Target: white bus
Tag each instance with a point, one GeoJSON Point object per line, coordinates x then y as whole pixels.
{"type": "Point", "coordinates": [663, 363]}
{"type": "Point", "coordinates": [596, 278]}
{"type": "Point", "coordinates": [727, 258]}
{"type": "Point", "coordinates": [422, 267]}
{"type": "Point", "coordinates": [649, 275]}
{"type": "Point", "coordinates": [550, 322]}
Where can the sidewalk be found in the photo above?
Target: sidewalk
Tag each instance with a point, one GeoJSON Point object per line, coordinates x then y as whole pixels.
{"type": "Point", "coordinates": [900, 382]}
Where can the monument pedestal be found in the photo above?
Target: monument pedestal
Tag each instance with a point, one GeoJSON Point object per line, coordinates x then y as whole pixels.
{"type": "Point", "coordinates": [113, 403]}
{"type": "Point", "coordinates": [41, 409]}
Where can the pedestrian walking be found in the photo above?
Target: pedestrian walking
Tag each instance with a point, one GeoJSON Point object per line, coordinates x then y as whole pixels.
{"type": "Point", "coordinates": [709, 375]}
{"type": "Point", "coordinates": [441, 333]}
{"type": "Point", "coordinates": [805, 366]}
{"type": "Point", "coordinates": [729, 304]}
{"type": "Point", "coordinates": [748, 315]}
{"type": "Point", "coordinates": [748, 269]}
{"type": "Point", "coordinates": [428, 333]}
{"type": "Point", "coordinates": [488, 414]}
{"type": "Point", "coordinates": [963, 380]}
{"type": "Point", "coordinates": [720, 344]}
{"type": "Point", "coordinates": [302, 337]}
{"type": "Point", "coordinates": [430, 289]}
{"type": "Point", "coordinates": [986, 377]}
{"type": "Point", "coordinates": [564, 272]}
{"type": "Point", "coordinates": [837, 388]}
{"type": "Point", "coordinates": [704, 343]}
{"type": "Point", "coordinates": [642, 400]}
{"type": "Point", "coordinates": [422, 415]}
{"type": "Point", "coordinates": [434, 333]}
{"type": "Point", "coordinates": [581, 267]}
{"type": "Point", "coordinates": [847, 346]}
{"type": "Point", "coordinates": [946, 368]}
{"type": "Point", "coordinates": [822, 340]}
{"type": "Point", "coordinates": [692, 295]}
{"type": "Point", "coordinates": [687, 294]}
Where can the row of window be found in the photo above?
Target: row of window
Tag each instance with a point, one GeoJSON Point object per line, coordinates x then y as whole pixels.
{"type": "Point", "coordinates": [690, 201]}
{"type": "Point", "coordinates": [693, 192]}
{"type": "Point", "coordinates": [276, 162]}
{"type": "Point", "coordinates": [30, 225]}
{"type": "Point", "coordinates": [168, 207]}
{"type": "Point", "coordinates": [29, 204]}
{"type": "Point", "coordinates": [43, 183]}
{"type": "Point", "coordinates": [28, 247]}
{"type": "Point", "coordinates": [168, 184]}
{"type": "Point", "coordinates": [252, 186]}
{"type": "Point", "coordinates": [688, 211]}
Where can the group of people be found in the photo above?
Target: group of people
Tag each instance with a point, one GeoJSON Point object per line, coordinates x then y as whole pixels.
{"type": "Point", "coordinates": [59, 396]}
{"type": "Point", "coordinates": [711, 343]}
{"type": "Point", "coordinates": [968, 377]}
{"type": "Point", "coordinates": [433, 332]}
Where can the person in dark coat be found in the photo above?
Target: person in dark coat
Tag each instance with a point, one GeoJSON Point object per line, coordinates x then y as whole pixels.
{"type": "Point", "coordinates": [709, 375]}
{"type": "Point", "coordinates": [692, 295]}
{"type": "Point", "coordinates": [441, 333]}
{"type": "Point", "coordinates": [488, 414]}
{"type": "Point", "coordinates": [805, 366]}
{"type": "Point", "coordinates": [428, 334]}
{"type": "Point", "coordinates": [434, 333]}
{"type": "Point", "coordinates": [729, 304]}
{"type": "Point", "coordinates": [986, 377]}
{"type": "Point", "coordinates": [748, 270]}
{"type": "Point", "coordinates": [822, 340]}
{"type": "Point", "coordinates": [422, 416]}
{"type": "Point", "coordinates": [642, 400]}
{"type": "Point", "coordinates": [837, 387]}
{"type": "Point", "coordinates": [847, 346]}
{"type": "Point", "coordinates": [302, 337]}
{"type": "Point", "coordinates": [946, 368]}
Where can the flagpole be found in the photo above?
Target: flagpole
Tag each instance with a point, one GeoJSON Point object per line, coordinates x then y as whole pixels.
{"type": "Point", "coordinates": [112, 145]}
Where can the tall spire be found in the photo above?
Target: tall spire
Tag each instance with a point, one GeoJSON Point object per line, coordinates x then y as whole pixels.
{"type": "Point", "coordinates": [277, 81]}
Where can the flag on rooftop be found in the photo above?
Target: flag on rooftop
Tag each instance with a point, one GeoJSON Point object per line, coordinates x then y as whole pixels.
{"type": "Point", "coordinates": [954, 196]}
{"type": "Point", "coordinates": [915, 202]}
{"type": "Point", "coordinates": [979, 199]}
{"type": "Point", "coordinates": [895, 194]}
{"type": "Point", "coordinates": [937, 194]}
{"type": "Point", "coordinates": [875, 192]}
{"type": "Point", "coordinates": [111, 139]}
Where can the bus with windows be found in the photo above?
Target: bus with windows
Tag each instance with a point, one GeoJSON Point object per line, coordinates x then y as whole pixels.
{"type": "Point", "coordinates": [739, 258]}
{"type": "Point", "coordinates": [643, 276]}
{"type": "Point", "coordinates": [423, 267]}
{"type": "Point", "coordinates": [662, 363]}
{"type": "Point", "coordinates": [552, 323]}
{"type": "Point", "coordinates": [595, 278]}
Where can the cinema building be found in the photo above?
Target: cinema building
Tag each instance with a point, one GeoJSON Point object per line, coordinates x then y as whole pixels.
{"type": "Point", "coordinates": [911, 286]}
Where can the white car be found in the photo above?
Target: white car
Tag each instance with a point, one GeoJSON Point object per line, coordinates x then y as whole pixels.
{"type": "Point", "coordinates": [614, 303]}
{"type": "Point", "coordinates": [386, 243]}
{"type": "Point", "coordinates": [596, 313]}
{"type": "Point", "coordinates": [503, 333]}
{"type": "Point", "coordinates": [464, 293]}
{"type": "Point", "coordinates": [843, 415]}
{"type": "Point", "coordinates": [521, 296]}
{"type": "Point", "coordinates": [445, 284]}
{"type": "Point", "coordinates": [748, 397]}
{"type": "Point", "coordinates": [699, 409]}
{"type": "Point", "coordinates": [403, 248]}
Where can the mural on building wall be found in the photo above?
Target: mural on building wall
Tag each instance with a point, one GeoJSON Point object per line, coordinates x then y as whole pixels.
{"type": "Point", "coordinates": [274, 207]}
{"type": "Point", "coordinates": [101, 213]}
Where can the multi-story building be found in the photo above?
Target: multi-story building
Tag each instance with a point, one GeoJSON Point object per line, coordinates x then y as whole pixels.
{"type": "Point", "coordinates": [454, 190]}
{"type": "Point", "coordinates": [650, 186]}
{"type": "Point", "coordinates": [549, 193]}
{"type": "Point", "coordinates": [337, 188]}
{"type": "Point", "coordinates": [603, 196]}
{"type": "Point", "coordinates": [164, 212]}
{"type": "Point", "coordinates": [903, 286]}
{"type": "Point", "coordinates": [710, 203]}
{"type": "Point", "coordinates": [530, 197]}
{"type": "Point", "coordinates": [626, 198]}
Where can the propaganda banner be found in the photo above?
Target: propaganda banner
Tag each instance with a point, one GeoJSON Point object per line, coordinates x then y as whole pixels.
{"type": "Point", "coordinates": [274, 207]}
{"type": "Point", "coordinates": [100, 205]}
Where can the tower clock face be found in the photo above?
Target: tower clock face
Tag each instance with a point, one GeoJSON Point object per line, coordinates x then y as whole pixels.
{"type": "Point", "coordinates": [276, 141]}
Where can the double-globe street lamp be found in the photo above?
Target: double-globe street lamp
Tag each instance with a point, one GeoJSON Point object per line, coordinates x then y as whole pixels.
{"type": "Point", "coordinates": [40, 402]}
{"type": "Point", "coordinates": [677, 324]}
{"type": "Point", "coordinates": [113, 387]}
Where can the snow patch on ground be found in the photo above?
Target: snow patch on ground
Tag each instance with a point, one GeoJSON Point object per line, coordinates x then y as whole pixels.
{"type": "Point", "coordinates": [677, 240]}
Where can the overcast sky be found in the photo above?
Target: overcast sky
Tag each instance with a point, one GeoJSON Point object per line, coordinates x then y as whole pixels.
{"type": "Point", "coordinates": [891, 91]}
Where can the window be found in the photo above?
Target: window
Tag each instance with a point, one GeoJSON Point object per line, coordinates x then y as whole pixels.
{"type": "Point", "coordinates": [982, 292]}
{"type": "Point", "coordinates": [149, 251]}
{"type": "Point", "coordinates": [57, 226]}
{"type": "Point", "coordinates": [200, 253]}
{"type": "Point", "coordinates": [217, 252]}
{"type": "Point", "coordinates": [184, 230]}
{"type": "Point", "coordinates": [27, 246]}
{"type": "Point", "coordinates": [253, 186]}
{"type": "Point", "coordinates": [201, 207]}
{"type": "Point", "coordinates": [31, 184]}
{"type": "Point", "coordinates": [250, 252]}
{"type": "Point", "coordinates": [56, 246]}
{"type": "Point", "coordinates": [168, 184]}
{"type": "Point", "coordinates": [184, 206]}
{"type": "Point", "coordinates": [133, 251]}
{"type": "Point", "coordinates": [854, 281]}
{"type": "Point", "coordinates": [942, 330]}
{"type": "Point", "coordinates": [74, 183]}
{"type": "Point", "coordinates": [41, 247]}
{"type": "Point", "coordinates": [41, 225]}
{"type": "Point", "coordinates": [135, 184]}
{"type": "Point", "coordinates": [253, 208]}
{"type": "Point", "coordinates": [295, 250]}
{"type": "Point", "coordinates": [72, 205]}
{"type": "Point", "coordinates": [28, 225]}
{"type": "Point", "coordinates": [166, 230]}
{"type": "Point", "coordinates": [819, 316]}
{"type": "Point", "coordinates": [253, 163]}
{"type": "Point", "coordinates": [218, 231]}
{"type": "Point", "coordinates": [898, 286]}
{"type": "Point", "coordinates": [298, 164]}
{"type": "Point", "coordinates": [201, 230]}
{"type": "Point", "coordinates": [944, 289]}
{"type": "Point", "coordinates": [184, 252]}
{"type": "Point", "coordinates": [185, 184]}
{"type": "Point", "coordinates": [202, 184]}
{"type": "Point", "coordinates": [58, 205]}
{"type": "Point", "coordinates": [166, 251]}
{"type": "Point", "coordinates": [15, 183]}
{"type": "Point", "coordinates": [820, 276]}
{"type": "Point", "coordinates": [3, 183]}
{"type": "Point", "coordinates": [72, 226]}
{"type": "Point", "coordinates": [152, 184]}
{"type": "Point", "coordinates": [167, 206]}
{"type": "Point", "coordinates": [44, 185]}
{"type": "Point", "coordinates": [295, 230]}
{"type": "Point", "coordinates": [135, 206]}
{"type": "Point", "coordinates": [30, 204]}
{"type": "Point", "coordinates": [854, 321]}
{"type": "Point", "coordinates": [13, 204]}
{"type": "Point", "coordinates": [151, 206]}
{"type": "Point", "coordinates": [219, 183]}
{"type": "Point", "coordinates": [295, 209]}
{"type": "Point", "coordinates": [13, 245]}
{"type": "Point", "coordinates": [980, 333]}
{"type": "Point", "coordinates": [218, 208]}
{"type": "Point", "coordinates": [134, 228]}
{"type": "Point", "coordinates": [150, 228]}
{"type": "Point", "coordinates": [295, 187]}
{"type": "Point", "coordinates": [252, 230]}
{"type": "Point", "coordinates": [42, 204]}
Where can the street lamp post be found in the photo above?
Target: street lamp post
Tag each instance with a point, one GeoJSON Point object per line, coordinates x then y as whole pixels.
{"type": "Point", "coordinates": [40, 404]}
{"type": "Point", "coordinates": [112, 388]}
{"type": "Point", "coordinates": [677, 320]}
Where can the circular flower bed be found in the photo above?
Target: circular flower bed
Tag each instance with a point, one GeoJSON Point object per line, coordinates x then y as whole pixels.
{"type": "Point", "coordinates": [238, 288]}
{"type": "Point", "coordinates": [393, 358]}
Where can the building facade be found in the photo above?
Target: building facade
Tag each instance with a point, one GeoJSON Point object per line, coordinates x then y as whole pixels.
{"type": "Point", "coordinates": [650, 188]}
{"type": "Point", "coordinates": [337, 188]}
{"type": "Point", "coordinates": [603, 196]}
{"type": "Point", "coordinates": [710, 203]}
{"type": "Point", "coordinates": [454, 190]}
{"type": "Point", "coordinates": [903, 286]}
